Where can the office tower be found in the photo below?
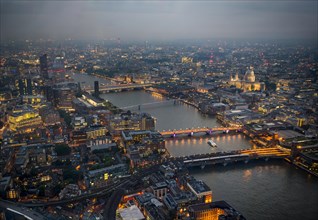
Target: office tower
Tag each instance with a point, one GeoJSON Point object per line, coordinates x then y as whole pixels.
{"type": "Point", "coordinates": [48, 93]}
{"type": "Point", "coordinates": [25, 86]}
{"type": "Point", "coordinates": [20, 86]}
{"type": "Point", "coordinates": [43, 66]}
{"type": "Point", "coordinates": [29, 87]}
{"type": "Point", "coordinates": [96, 88]}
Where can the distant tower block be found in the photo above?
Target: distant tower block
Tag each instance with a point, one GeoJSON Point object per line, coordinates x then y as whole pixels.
{"type": "Point", "coordinates": [29, 86]}
{"type": "Point", "coordinates": [96, 88]}
{"type": "Point", "coordinates": [43, 66]}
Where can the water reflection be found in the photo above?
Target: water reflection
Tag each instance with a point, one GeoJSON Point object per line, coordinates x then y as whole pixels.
{"type": "Point", "coordinates": [247, 175]}
{"type": "Point", "coordinates": [290, 187]}
{"type": "Point", "coordinates": [199, 145]}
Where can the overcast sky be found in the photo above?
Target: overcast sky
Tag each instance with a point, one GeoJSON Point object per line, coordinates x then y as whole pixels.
{"type": "Point", "coordinates": [158, 20]}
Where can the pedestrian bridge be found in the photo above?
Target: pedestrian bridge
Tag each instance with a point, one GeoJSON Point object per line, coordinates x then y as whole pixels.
{"type": "Point", "coordinates": [151, 104]}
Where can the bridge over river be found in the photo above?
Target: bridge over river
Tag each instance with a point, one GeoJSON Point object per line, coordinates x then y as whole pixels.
{"type": "Point", "coordinates": [151, 104]}
{"type": "Point", "coordinates": [224, 158]}
{"type": "Point", "coordinates": [119, 88]}
{"type": "Point", "coordinates": [202, 130]}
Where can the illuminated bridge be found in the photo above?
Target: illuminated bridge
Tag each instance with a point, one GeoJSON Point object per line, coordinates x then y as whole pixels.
{"type": "Point", "coordinates": [120, 87]}
{"type": "Point", "coordinates": [235, 156]}
{"type": "Point", "coordinates": [204, 130]}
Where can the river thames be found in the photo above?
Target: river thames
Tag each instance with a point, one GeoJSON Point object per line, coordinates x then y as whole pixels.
{"type": "Point", "coordinates": [259, 190]}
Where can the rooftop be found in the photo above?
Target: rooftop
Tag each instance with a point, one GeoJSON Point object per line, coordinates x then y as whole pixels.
{"type": "Point", "coordinates": [286, 134]}
{"type": "Point", "coordinates": [199, 186]}
{"type": "Point", "coordinates": [218, 204]}
{"type": "Point", "coordinates": [131, 213]}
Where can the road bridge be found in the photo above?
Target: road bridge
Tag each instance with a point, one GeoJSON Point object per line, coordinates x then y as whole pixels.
{"type": "Point", "coordinates": [203, 130]}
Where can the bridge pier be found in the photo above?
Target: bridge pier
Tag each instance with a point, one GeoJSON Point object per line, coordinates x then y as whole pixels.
{"type": "Point", "coordinates": [246, 161]}
{"type": "Point", "coordinates": [209, 132]}
{"type": "Point", "coordinates": [224, 164]}
{"type": "Point", "coordinates": [202, 166]}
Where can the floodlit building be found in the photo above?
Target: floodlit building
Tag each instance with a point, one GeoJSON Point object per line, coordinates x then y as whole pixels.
{"type": "Point", "coordinates": [248, 83]}
{"type": "Point", "coordinates": [25, 121]}
{"type": "Point", "coordinates": [95, 132]}
{"type": "Point", "coordinates": [219, 210]}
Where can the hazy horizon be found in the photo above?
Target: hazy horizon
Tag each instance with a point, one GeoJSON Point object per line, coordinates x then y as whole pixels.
{"type": "Point", "coordinates": [158, 20]}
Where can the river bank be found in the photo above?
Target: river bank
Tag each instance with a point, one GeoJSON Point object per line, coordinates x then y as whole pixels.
{"type": "Point", "coordinates": [249, 187]}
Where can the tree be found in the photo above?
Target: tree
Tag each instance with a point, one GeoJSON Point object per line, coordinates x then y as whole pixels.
{"type": "Point", "coordinates": [56, 189]}
{"type": "Point", "coordinates": [108, 161]}
{"type": "Point", "coordinates": [66, 116]}
{"type": "Point", "coordinates": [79, 94]}
{"type": "Point", "coordinates": [62, 149]}
{"type": "Point", "coordinates": [57, 163]}
{"type": "Point", "coordinates": [33, 171]}
{"type": "Point", "coordinates": [270, 86]}
{"type": "Point", "coordinates": [41, 190]}
{"type": "Point", "coordinates": [71, 175]}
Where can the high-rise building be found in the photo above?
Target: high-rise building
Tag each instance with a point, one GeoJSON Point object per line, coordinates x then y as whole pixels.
{"type": "Point", "coordinates": [29, 87]}
{"type": "Point", "coordinates": [25, 86]}
{"type": "Point", "coordinates": [48, 93]}
{"type": "Point", "coordinates": [63, 98]}
{"type": "Point", "coordinates": [43, 66]}
{"type": "Point", "coordinates": [96, 88]}
{"type": "Point", "coordinates": [148, 122]}
{"type": "Point", "coordinates": [20, 86]}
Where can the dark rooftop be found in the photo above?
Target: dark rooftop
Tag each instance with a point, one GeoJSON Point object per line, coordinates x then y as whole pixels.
{"type": "Point", "coordinates": [218, 204]}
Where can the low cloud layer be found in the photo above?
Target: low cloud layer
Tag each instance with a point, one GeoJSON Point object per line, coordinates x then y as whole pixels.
{"type": "Point", "coordinates": [160, 20]}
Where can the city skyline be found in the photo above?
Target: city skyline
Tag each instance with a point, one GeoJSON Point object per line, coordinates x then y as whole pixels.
{"type": "Point", "coordinates": [81, 120]}
{"type": "Point", "coordinates": [158, 110]}
{"type": "Point", "coordinates": [158, 20]}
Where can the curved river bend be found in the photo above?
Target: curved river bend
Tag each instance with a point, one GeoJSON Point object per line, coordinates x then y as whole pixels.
{"type": "Point", "coordinates": [259, 190]}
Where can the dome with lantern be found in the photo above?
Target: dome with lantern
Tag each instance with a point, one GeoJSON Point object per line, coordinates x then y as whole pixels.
{"type": "Point", "coordinates": [249, 75]}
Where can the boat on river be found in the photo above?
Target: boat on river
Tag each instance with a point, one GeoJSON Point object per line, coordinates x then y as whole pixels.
{"type": "Point", "coordinates": [212, 143]}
